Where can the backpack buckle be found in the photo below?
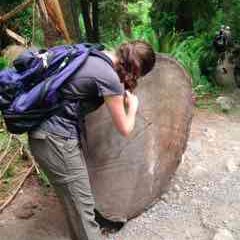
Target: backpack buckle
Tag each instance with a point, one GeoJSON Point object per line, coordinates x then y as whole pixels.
{"type": "Point", "coordinates": [44, 57]}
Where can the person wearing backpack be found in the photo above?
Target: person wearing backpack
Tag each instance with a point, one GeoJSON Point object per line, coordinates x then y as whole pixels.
{"type": "Point", "coordinates": [59, 143]}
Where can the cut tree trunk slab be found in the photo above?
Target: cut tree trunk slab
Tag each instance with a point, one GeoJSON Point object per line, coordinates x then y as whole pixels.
{"type": "Point", "coordinates": [129, 174]}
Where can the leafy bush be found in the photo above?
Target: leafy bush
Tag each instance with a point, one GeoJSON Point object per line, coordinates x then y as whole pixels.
{"type": "Point", "coordinates": [231, 9]}
{"type": "Point", "coordinates": [190, 52]}
{"type": "Point", "coordinates": [22, 22]}
{"type": "Point", "coordinates": [169, 41]}
{"type": "Point", "coordinates": [140, 26]}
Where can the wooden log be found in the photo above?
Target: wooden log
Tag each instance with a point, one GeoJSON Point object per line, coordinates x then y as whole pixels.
{"type": "Point", "coordinates": [16, 37]}
{"type": "Point", "coordinates": [128, 175]}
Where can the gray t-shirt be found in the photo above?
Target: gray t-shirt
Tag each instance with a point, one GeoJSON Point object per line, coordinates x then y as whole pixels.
{"type": "Point", "coordinates": [86, 89]}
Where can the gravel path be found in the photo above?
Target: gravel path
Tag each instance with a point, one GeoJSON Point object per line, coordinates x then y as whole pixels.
{"type": "Point", "coordinates": [203, 201]}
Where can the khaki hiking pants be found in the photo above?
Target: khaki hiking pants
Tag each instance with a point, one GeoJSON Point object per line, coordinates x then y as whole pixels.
{"type": "Point", "coordinates": [64, 163]}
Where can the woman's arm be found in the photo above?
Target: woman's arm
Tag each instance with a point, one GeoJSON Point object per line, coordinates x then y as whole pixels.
{"type": "Point", "coordinates": [123, 111]}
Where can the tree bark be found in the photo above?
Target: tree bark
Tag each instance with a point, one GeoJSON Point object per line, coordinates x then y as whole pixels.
{"type": "Point", "coordinates": [85, 5]}
{"type": "Point", "coordinates": [59, 20]}
{"type": "Point", "coordinates": [95, 20]}
{"type": "Point", "coordinates": [184, 17]}
{"type": "Point", "coordinates": [70, 11]}
{"type": "Point", "coordinates": [51, 34]}
{"type": "Point", "coordinates": [90, 14]}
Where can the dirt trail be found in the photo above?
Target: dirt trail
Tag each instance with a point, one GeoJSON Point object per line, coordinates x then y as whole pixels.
{"type": "Point", "coordinates": [203, 202]}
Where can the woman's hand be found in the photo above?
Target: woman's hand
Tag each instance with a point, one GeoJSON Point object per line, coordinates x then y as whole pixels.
{"type": "Point", "coordinates": [131, 101]}
{"type": "Point", "coordinates": [123, 110]}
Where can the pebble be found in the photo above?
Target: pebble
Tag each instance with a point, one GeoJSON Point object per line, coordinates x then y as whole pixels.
{"type": "Point", "coordinates": [165, 197]}
{"type": "Point", "coordinates": [2, 223]}
{"type": "Point", "coordinates": [197, 171]}
{"type": "Point", "coordinates": [223, 234]}
{"type": "Point", "coordinates": [231, 166]}
{"type": "Point", "coordinates": [176, 188]}
{"type": "Point", "coordinates": [225, 103]}
{"type": "Point", "coordinates": [26, 211]}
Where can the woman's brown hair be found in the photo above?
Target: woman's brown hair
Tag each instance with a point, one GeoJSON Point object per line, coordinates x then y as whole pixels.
{"type": "Point", "coordinates": [135, 59]}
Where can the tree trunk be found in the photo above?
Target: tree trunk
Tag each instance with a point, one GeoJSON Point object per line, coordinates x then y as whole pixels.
{"type": "Point", "coordinates": [95, 20]}
{"type": "Point", "coordinates": [184, 17]}
{"type": "Point", "coordinates": [90, 17]}
{"type": "Point", "coordinates": [51, 33]}
{"type": "Point", "coordinates": [3, 39]}
{"type": "Point", "coordinates": [70, 10]}
{"type": "Point", "coordinates": [59, 20]}
{"type": "Point", "coordinates": [85, 5]}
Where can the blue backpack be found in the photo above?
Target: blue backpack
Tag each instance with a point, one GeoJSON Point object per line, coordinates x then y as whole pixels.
{"type": "Point", "coordinates": [29, 91]}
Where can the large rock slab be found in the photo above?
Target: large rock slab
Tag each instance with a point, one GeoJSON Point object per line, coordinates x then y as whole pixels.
{"type": "Point", "coordinates": [129, 174]}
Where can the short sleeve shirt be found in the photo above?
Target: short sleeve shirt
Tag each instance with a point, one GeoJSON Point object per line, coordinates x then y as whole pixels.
{"type": "Point", "coordinates": [95, 80]}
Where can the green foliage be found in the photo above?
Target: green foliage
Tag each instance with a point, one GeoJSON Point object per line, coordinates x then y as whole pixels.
{"type": "Point", "coordinates": [38, 39]}
{"type": "Point", "coordinates": [81, 24]}
{"type": "Point", "coordinates": [9, 4]}
{"type": "Point", "coordinates": [189, 52]}
{"type": "Point", "coordinates": [9, 173]}
{"type": "Point", "coordinates": [148, 36]}
{"type": "Point", "coordinates": [182, 15]}
{"type": "Point", "coordinates": [140, 25]}
{"type": "Point", "coordinates": [194, 52]}
{"type": "Point", "coordinates": [3, 63]}
{"type": "Point", "coordinates": [140, 12]}
{"type": "Point", "coordinates": [134, 16]}
{"type": "Point", "coordinates": [231, 10]}
{"type": "Point", "coordinates": [111, 18]}
{"type": "Point", "coordinates": [169, 41]}
{"type": "Point", "coordinates": [43, 179]}
{"type": "Point", "coordinates": [163, 22]}
{"type": "Point", "coordinates": [22, 23]}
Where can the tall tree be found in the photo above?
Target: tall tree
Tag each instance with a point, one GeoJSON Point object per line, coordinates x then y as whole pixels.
{"type": "Point", "coordinates": [115, 18]}
{"type": "Point", "coordinates": [71, 11]}
{"type": "Point", "coordinates": [90, 12]}
{"type": "Point", "coordinates": [181, 14]}
{"type": "Point", "coordinates": [60, 20]}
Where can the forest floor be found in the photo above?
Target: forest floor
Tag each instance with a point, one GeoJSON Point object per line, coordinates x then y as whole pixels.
{"type": "Point", "coordinates": [203, 201]}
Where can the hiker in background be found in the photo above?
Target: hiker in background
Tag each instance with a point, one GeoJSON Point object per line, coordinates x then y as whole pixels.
{"type": "Point", "coordinates": [219, 44]}
{"type": "Point", "coordinates": [222, 44]}
{"type": "Point", "coordinates": [59, 144]}
{"type": "Point", "coordinates": [228, 37]}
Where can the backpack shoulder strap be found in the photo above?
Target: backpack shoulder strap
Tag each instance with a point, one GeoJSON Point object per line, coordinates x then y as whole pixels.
{"type": "Point", "coordinates": [100, 54]}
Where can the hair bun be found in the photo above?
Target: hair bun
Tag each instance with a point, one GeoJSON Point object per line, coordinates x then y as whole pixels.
{"type": "Point", "coordinates": [135, 59]}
